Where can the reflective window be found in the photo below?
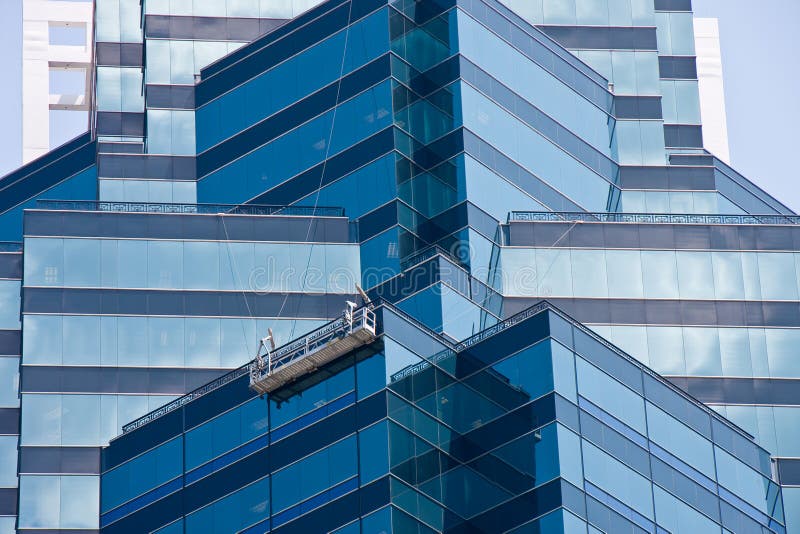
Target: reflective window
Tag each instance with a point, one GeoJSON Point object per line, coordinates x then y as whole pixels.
{"type": "Point", "coordinates": [9, 304]}
{"type": "Point", "coordinates": [233, 512]}
{"type": "Point", "coordinates": [612, 396]}
{"type": "Point", "coordinates": [314, 474]}
{"type": "Point", "coordinates": [680, 440]}
{"type": "Point", "coordinates": [226, 432]}
{"type": "Point", "coordinates": [9, 382]}
{"type": "Point", "coordinates": [142, 474]}
{"type": "Point", "coordinates": [168, 264]}
{"type": "Point", "coordinates": [59, 502]}
{"type": "Point", "coordinates": [617, 479]}
{"type": "Point", "coordinates": [8, 461]}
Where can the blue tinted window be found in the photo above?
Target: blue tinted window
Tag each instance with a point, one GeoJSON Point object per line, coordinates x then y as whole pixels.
{"type": "Point", "coordinates": [314, 474]}
{"type": "Point", "coordinates": [238, 510]}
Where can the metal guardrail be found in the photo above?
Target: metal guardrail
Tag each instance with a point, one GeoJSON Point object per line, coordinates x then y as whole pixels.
{"type": "Point", "coordinates": [657, 218]}
{"type": "Point", "coordinates": [186, 399]}
{"type": "Point", "coordinates": [294, 350]}
{"type": "Point", "coordinates": [202, 209]}
{"type": "Point", "coordinates": [279, 355]}
{"type": "Point", "coordinates": [312, 350]}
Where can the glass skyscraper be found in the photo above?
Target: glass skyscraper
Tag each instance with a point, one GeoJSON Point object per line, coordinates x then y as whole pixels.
{"type": "Point", "coordinates": [254, 166]}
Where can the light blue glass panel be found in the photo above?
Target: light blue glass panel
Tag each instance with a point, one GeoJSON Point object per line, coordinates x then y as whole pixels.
{"type": "Point", "coordinates": [680, 440]}
{"type": "Point", "coordinates": [611, 396]}
{"type": "Point", "coordinates": [633, 340]}
{"type": "Point", "coordinates": [666, 350]}
{"type": "Point", "coordinates": [41, 420]}
{"type": "Point", "coordinates": [741, 479]}
{"type": "Point", "coordinates": [734, 347]}
{"type": "Point", "coordinates": [59, 502]}
{"type": "Point", "coordinates": [660, 274]}
{"type": "Point", "coordinates": [791, 506]}
{"type": "Point", "coordinates": [778, 276]}
{"type": "Point", "coordinates": [592, 12]}
{"type": "Point", "coordinates": [704, 357]}
{"type": "Point", "coordinates": [44, 262]}
{"type": "Point", "coordinates": [677, 516]}
{"type": "Point", "coordinates": [132, 341]}
{"type": "Point", "coordinates": [132, 263]}
{"type": "Point", "coordinates": [165, 341]}
{"type": "Point", "coordinates": [695, 275]}
{"type": "Point", "coordinates": [80, 424]}
{"type": "Point", "coordinates": [43, 340]}
{"type": "Point", "coordinates": [8, 461]}
{"type": "Point", "coordinates": [9, 304]}
{"type": "Point", "coordinates": [588, 273]}
{"type": "Point", "coordinates": [9, 382]}
{"type": "Point", "coordinates": [530, 10]}
{"type": "Point", "coordinates": [165, 264]}
{"type": "Point", "coordinates": [624, 273]}
{"type": "Point", "coordinates": [40, 502]}
{"type": "Point", "coordinates": [81, 340]}
{"type": "Point", "coordinates": [782, 352]}
{"type": "Point", "coordinates": [553, 273]}
{"type": "Point", "coordinates": [559, 11]}
{"type": "Point", "coordinates": [728, 275]}
{"type": "Point", "coordinates": [617, 479]}
{"type": "Point", "coordinates": [687, 100]}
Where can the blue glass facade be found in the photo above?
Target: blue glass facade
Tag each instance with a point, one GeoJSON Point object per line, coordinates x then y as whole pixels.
{"type": "Point", "coordinates": [253, 164]}
{"type": "Point", "coordinates": [510, 430]}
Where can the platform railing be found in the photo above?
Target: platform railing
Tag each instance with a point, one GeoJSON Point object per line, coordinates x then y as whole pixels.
{"type": "Point", "coordinates": [649, 218]}
{"type": "Point", "coordinates": [202, 209]}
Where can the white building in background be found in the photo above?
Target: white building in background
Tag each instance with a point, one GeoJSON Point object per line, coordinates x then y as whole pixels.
{"type": "Point", "coordinates": [712, 91]}
{"type": "Point", "coordinates": [56, 68]}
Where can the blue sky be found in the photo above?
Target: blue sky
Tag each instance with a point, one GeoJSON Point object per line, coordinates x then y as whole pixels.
{"type": "Point", "coordinates": [760, 47]}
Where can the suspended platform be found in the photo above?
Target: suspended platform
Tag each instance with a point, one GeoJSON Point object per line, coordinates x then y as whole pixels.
{"type": "Point", "coordinates": [281, 366]}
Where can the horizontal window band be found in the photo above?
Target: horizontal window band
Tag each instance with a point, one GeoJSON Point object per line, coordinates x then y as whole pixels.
{"type": "Point", "coordinates": [785, 392]}
{"type": "Point", "coordinates": [127, 124]}
{"type": "Point", "coordinates": [9, 421]}
{"type": "Point", "coordinates": [10, 342]}
{"type": "Point", "coordinates": [287, 119]}
{"type": "Point", "coordinates": [602, 37]}
{"type": "Point", "coordinates": [208, 28]}
{"type": "Point", "coordinates": [135, 165]}
{"type": "Point", "coordinates": [11, 265]}
{"type": "Point", "coordinates": [637, 107]}
{"type": "Point", "coordinates": [169, 96]}
{"type": "Point", "coordinates": [673, 5]}
{"type": "Point", "coordinates": [183, 303]}
{"type": "Point", "coordinates": [182, 226]}
{"type": "Point", "coordinates": [661, 236]}
{"type": "Point", "coordinates": [669, 312]}
{"type": "Point", "coordinates": [8, 502]}
{"type": "Point", "coordinates": [789, 471]}
{"type": "Point", "coordinates": [58, 460]}
{"type": "Point", "coordinates": [678, 178]}
{"type": "Point", "coordinates": [677, 67]}
{"type": "Point", "coordinates": [119, 54]}
{"type": "Point", "coordinates": [682, 136]}
{"type": "Point", "coordinates": [109, 380]}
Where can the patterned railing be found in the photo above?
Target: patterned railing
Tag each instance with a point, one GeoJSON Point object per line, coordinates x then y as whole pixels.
{"type": "Point", "coordinates": [186, 399]}
{"type": "Point", "coordinates": [658, 218]}
{"type": "Point", "coordinates": [205, 209]}
{"type": "Point", "coordinates": [453, 350]}
{"type": "Point", "coordinates": [10, 246]}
